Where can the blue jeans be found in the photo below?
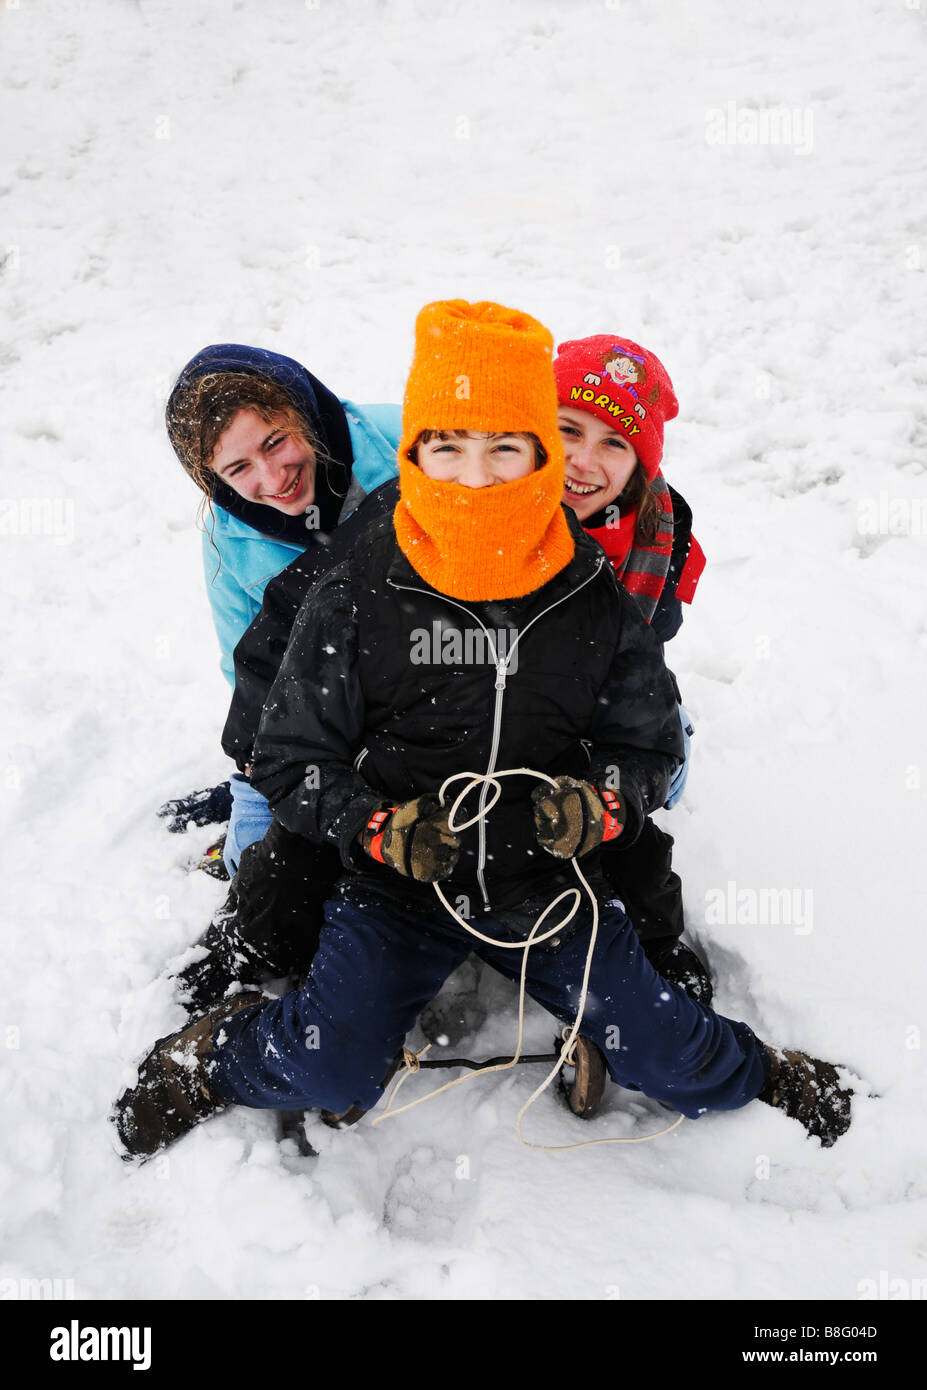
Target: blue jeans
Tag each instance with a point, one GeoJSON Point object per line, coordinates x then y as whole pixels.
{"type": "Point", "coordinates": [329, 1044]}
{"type": "Point", "coordinates": [250, 821]}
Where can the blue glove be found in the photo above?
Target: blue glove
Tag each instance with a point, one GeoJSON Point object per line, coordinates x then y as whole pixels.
{"type": "Point", "coordinates": [681, 775]}
{"type": "Point", "coordinates": [250, 821]}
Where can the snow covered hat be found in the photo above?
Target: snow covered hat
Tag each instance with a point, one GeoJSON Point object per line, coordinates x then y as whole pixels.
{"type": "Point", "coordinates": [624, 385]}
{"type": "Point", "coordinates": [481, 367]}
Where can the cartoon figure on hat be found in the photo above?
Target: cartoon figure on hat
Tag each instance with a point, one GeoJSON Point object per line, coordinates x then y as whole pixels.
{"type": "Point", "coordinates": [624, 368]}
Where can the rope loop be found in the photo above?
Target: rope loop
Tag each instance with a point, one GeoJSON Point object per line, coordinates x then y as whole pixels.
{"type": "Point", "coordinates": [570, 1032]}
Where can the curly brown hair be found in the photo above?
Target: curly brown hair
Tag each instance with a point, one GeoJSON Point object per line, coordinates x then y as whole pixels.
{"type": "Point", "coordinates": [199, 411]}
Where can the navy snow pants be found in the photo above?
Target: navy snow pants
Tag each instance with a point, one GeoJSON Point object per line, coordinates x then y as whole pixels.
{"type": "Point", "coordinates": [329, 1044]}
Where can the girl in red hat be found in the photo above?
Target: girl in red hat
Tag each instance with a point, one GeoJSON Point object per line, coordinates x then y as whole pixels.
{"type": "Point", "coordinates": [614, 397]}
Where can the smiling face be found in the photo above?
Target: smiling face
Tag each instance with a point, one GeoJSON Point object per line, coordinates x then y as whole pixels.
{"type": "Point", "coordinates": [476, 459]}
{"type": "Point", "coordinates": [271, 463]}
{"type": "Point", "coordinates": [599, 461]}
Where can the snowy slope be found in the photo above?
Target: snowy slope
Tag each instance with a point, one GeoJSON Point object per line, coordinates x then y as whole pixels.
{"type": "Point", "coordinates": [305, 178]}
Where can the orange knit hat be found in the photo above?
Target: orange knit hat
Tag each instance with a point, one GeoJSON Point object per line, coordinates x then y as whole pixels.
{"type": "Point", "coordinates": [482, 367]}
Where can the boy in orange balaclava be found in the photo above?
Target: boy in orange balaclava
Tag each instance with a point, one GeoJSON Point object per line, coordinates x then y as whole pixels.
{"type": "Point", "coordinates": [468, 708]}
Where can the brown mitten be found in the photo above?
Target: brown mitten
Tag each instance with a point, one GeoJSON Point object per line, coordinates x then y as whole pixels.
{"type": "Point", "coordinates": [413, 838]}
{"type": "Point", "coordinates": [573, 818]}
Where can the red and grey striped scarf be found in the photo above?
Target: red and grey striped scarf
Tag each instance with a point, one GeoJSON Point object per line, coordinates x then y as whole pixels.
{"type": "Point", "coordinates": [642, 568]}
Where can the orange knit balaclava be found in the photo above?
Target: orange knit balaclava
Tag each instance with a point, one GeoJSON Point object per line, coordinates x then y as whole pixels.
{"type": "Point", "coordinates": [482, 367]}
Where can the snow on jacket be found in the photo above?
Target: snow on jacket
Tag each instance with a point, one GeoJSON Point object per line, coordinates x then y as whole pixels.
{"type": "Point", "coordinates": [388, 687]}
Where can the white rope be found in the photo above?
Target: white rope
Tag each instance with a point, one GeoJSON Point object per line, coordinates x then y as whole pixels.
{"type": "Point", "coordinates": [475, 779]}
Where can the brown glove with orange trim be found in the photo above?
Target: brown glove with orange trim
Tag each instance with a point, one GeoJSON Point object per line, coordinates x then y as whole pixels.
{"type": "Point", "coordinates": [413, 838]}
{"type": "Point", "coordinates": [574, 818]}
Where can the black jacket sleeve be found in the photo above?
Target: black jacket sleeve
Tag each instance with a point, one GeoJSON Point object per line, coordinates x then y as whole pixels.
{"type": "Point", "coordinates": [667, 616]}
{"type": "Point", "coordinates": [258, 656]}
{"type": "Point", "coordinates": [636, 737]}
{"type": "Point", "coordinates": [312, 727]}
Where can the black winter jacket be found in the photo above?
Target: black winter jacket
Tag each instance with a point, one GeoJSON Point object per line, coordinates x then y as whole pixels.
{"type": "Point", "coordinates": [388, 687]}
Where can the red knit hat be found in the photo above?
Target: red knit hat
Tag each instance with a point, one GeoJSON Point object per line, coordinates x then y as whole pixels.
{"type": "Point", "coordinates": [624, 385]}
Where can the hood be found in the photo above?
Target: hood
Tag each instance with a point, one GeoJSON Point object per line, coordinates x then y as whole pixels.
{"type": "Point", "coordinates": [323, 413]}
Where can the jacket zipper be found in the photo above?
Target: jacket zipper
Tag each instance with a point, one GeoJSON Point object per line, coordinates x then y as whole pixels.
{"type": "Point", "coordinates": [502, 667]}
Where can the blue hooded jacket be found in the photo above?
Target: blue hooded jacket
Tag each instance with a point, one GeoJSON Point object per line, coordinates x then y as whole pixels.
{"type": "Point", "coordinates": [245, 543]}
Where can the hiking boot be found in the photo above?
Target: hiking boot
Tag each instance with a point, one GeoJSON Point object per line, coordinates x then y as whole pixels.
{"type": "Point", "coordinates": [229, 962]}
{"type": "Point", "coordinates": [679, 964]}
{"type": "Point", "coordinates": [809, 1090]}
{"type": "Point", "coordinates": [172, 1094]}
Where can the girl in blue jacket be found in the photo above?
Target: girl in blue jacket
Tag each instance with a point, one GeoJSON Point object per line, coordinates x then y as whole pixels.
{"type": "Point", "coordinates": [280, 461]}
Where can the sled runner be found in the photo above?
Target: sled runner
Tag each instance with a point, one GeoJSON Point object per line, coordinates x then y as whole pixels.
{"type": "Point", "coordinates": [582, 1090]}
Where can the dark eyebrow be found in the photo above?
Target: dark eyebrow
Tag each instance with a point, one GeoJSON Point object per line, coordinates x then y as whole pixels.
{"type": "Point", "coordinates": [235, 462]}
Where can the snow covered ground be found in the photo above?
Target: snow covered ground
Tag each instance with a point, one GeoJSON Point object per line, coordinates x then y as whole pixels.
{"type": "Point", "coordinates": [742, 188]}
